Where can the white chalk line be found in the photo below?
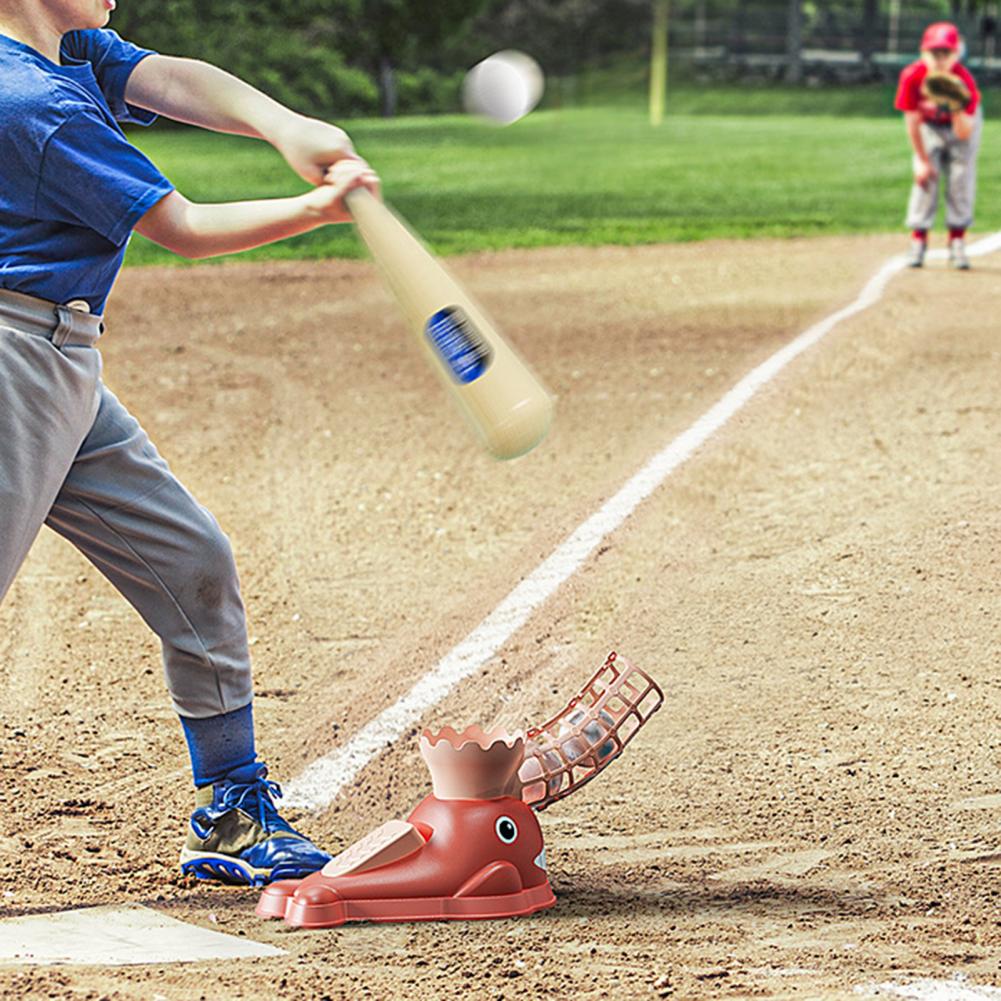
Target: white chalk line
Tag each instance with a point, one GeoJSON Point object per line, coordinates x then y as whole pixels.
{"type": "Point", "coordinates": [322, 780]}
{"type": "Point", "coordinates": [956, 989]}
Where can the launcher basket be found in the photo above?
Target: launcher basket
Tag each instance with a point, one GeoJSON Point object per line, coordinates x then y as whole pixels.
{"type": "Point", "coordinates": [568, 751]}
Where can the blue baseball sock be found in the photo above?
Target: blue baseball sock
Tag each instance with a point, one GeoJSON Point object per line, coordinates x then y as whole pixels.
{"type": "Point", "coordinates": [218, 744]}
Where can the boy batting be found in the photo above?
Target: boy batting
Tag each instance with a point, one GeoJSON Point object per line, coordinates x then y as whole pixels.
{"type": "Point", "coordinates": [71, 456]}
{"type": "Point", "coordinates": [941, 106]}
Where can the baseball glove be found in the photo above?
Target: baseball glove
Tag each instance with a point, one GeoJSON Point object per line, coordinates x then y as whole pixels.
{"type": "Point", "coordinates": [946, 90]}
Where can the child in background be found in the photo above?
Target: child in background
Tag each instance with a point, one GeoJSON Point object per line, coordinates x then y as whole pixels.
{"type": "Point", "coordinates": [945, 145]}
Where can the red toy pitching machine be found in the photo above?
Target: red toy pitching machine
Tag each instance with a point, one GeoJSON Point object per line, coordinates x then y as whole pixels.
{"type": "Point", "coordinates": [473, 848]}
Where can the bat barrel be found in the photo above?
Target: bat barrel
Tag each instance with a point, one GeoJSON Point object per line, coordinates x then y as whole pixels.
{"type": "Point", "coordinates": [505, 402]}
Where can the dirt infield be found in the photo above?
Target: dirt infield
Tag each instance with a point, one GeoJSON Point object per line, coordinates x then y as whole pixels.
{"type": "Point", "coordinates": [817, 807]}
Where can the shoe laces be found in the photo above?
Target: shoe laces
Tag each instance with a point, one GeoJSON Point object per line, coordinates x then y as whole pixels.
{"type": "Point", "coordinates": [257, 796]}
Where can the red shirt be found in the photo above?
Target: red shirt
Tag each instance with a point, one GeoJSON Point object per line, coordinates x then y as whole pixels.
{"type": "Point", "coordinates": [910, 98]}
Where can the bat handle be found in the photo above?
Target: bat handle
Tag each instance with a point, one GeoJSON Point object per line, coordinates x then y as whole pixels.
{"type": "Point", "coordinates": [358, 197]}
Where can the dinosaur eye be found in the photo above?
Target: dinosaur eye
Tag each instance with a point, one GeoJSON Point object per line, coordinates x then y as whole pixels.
{"type": "Point", "coordinates": [507, 830]}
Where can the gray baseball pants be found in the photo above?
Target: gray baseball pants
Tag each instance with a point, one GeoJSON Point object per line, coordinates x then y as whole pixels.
{"type": "Point", "coordinates": [73, 458]}
{"type": "Point", "coordinates": [955, 163]}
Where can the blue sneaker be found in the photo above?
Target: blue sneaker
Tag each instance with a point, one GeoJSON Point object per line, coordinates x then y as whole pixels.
{"type": "Point", "coordinates": [237, 835]}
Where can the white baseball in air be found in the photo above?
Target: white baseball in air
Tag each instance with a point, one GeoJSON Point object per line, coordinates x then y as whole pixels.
{"type": "Point", "coordinates": [504, 87]}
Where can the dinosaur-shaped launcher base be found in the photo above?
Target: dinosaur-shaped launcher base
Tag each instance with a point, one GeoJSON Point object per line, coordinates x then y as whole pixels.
{"type": "Point", "coordinates": [473, 849]}
{"type": "Point", "coordinates": [454, 859]}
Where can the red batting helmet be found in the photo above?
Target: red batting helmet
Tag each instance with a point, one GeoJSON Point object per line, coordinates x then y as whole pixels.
{"type": "Point", "coordinates": [941, 35]}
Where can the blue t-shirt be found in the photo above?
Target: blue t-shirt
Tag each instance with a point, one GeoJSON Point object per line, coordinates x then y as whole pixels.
{"type": "Point", "coordinates": [72, 187]}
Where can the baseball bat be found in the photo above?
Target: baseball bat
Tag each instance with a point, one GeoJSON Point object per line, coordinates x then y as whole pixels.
{"type": "Point", "coordinates": [493, 386]}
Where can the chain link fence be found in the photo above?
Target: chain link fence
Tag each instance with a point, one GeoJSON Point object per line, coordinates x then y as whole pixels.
{"type": "Point", "coordinates": [820, 43]}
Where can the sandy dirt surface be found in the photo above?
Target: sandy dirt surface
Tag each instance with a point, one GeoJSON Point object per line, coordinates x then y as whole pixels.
{"type": "Point", "coordinates": [817, 807]}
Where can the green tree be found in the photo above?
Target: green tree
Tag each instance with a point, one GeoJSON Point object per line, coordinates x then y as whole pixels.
{"type": "Point", "coordinates": [384, 35]}
{"type": "Point", "coordinates": [563, 35]}
{"type": "Point", "coordinates": [284, 50]}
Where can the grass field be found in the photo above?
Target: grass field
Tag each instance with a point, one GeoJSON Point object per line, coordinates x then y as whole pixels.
{"type": "Point", "coordinates": [593, 176]}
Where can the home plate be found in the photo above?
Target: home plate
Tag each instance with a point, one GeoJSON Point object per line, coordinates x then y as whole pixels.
{"type": "Point", "coordinates": [116, 936]}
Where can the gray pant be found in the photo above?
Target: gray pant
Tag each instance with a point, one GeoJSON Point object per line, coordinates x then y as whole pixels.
{"type": "Point", "coordinates": [955, 162]}
{"type": "Point", "coordinates": [73, 458]}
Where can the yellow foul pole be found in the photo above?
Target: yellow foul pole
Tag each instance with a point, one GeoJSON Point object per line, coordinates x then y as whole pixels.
{"type": "Point", "coordinates": [658, 61]}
